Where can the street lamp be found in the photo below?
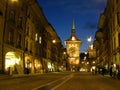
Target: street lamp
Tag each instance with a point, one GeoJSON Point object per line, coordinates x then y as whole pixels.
{"type": "Point", "coordinates": [54, 41]}
{"type": "Point", "coordinates": [89, 39]}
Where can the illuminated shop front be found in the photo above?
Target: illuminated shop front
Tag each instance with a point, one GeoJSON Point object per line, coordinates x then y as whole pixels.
{"type": "Point", "coordinates": [13, 63]}
{"type": "Point", "coordinates": [28, 64]}
{"type": "Point", "coordinates": [51, 67]}
{"type": "Point", "coordinates": [37, 66]}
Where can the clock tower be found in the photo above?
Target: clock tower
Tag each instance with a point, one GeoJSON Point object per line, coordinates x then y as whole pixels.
{"type": "Point", "coordinates": [73, 50]}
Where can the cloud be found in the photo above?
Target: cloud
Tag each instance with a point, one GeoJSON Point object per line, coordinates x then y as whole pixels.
{"type": "Point", "coordinates": [89, 25]}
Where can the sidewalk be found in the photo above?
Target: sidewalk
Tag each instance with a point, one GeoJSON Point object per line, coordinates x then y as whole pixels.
{"type": "Point", "coordinates": [3, 76]}
{"type": "Point", "coordinates": [113, 77]}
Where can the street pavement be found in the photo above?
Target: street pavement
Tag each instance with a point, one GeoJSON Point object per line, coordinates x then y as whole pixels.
{"type": "Point", "coordinates": [87, 81]}
{"type": "Point", "coordinates": [59, 81]}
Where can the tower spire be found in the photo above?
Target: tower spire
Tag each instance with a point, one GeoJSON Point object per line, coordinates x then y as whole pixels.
{"type": "Point", "coordinates": [73, 26]}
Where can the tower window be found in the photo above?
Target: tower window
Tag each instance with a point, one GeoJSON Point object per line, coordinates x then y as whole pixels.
{"type": "Point", "coordinates": [73, 38]}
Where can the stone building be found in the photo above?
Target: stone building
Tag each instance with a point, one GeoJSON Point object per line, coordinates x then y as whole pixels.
{"type": "Point", "coordinates": [25, 38]}
{"type": "Point", "coordinates": [108, 36]}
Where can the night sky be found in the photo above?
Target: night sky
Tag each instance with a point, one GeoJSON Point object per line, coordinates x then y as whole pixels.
{"type": "Point", "coordinates": [86, 13]}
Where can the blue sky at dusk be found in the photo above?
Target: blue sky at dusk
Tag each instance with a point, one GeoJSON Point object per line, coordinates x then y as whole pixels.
{"type": "Point", "coordinates": [85, 13]}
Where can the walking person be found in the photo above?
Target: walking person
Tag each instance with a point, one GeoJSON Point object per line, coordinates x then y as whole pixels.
{"type": "Point", "coordinates": [103, 71]}
{"type": "Point", "coordinates": [111, 71]}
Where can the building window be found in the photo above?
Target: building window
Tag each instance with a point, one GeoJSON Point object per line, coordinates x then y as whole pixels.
{"type": "Point", "coordinates": [32, 34]}
{"type": "Point", "coordinates": [12, 16]}
{"type": "Point", "coordinates": [118, 18]}
{"type": "Point", "coordinates": [119, 39]}
{"type": "Point", "coordinates": [19, 40]}
{"type": "Point", "coordinates": [1, 14]}
{"type": "Point", "coordinates": [31, 47]}
{"type": "Point", "coordinates": [117, 1]}
{"type": "Point", "coordinates": [114, 43]}
{"type": "Point", "coordinates": [27, 30]}
{"type": "Point", "coordinates": [40, 40]}
{"type": "Point", "coordinates": [26, 45]}
{"type": "Point", "coordinates": [36, 37]}
{"type": "Point", "coordinates": [19, 23]}
{"type": "Point", "coordinates": [73, 38]}
{"type": "Point", "coordinates": [10, 36]}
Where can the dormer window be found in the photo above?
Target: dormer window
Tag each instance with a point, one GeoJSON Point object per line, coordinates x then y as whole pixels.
{"type": "Point", "coordinates": [73, 38]}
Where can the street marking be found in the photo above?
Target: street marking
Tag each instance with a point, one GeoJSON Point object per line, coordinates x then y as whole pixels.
{"type": "Point", "coordinates": [54, 82]}
{"type": "Point", "coordinates": [62, 82]}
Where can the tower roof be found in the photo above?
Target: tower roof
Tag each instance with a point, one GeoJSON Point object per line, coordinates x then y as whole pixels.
{"type": "Point", "coordinates": [73, 35]}
{"type": "Point", "coordinates": [73, 27]}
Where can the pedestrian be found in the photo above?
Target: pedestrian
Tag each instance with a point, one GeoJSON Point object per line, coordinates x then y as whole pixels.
{"type": "Point", "coordinates": [103, 71]}
{"type": "Point", "coordinates": [111, 71]}
{"type": "Point", "coordinates": [93, 71]}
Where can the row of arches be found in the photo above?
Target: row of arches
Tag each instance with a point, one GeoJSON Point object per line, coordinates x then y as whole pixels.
{"type": "Point", "coordinates": [14, 64]}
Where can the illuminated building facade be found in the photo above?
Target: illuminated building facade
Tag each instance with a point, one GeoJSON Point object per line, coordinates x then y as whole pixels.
{"type": "Point", "coordinates": [24, 43]}
{"type": "Point", "coordinates": [108, 36]}
{"type": "Point", "coordinates": [73, 50]}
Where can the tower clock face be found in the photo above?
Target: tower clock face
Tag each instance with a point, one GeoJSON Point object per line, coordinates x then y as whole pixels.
{"type": "Point", "coordinates": [72, 51]}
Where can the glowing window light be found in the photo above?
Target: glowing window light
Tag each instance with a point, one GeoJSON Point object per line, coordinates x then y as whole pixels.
{"type": "Point", "coordinates": [49, 65]}
{"type": "Point", "coordinates": [93, 62]}
{"type": "Point", "coordinates": [30, 65]}
{"type": "Point", "coordinates": [54, 41]}
{"type": "Point", "coordinates": [87, 62]}
{"type": "Point", "coordinates": [36, 37]}
{"type": "Point", "coordinates": [85, 58]}
{"type": "Point", "coordinates": [89, 39]}
{"type": "Point", "coordinates": [8, 63]}
{"type": "Point", "coordinates": [40, 40]}
{"type": "Point", "coordinates": [77, 61]}
{"type": "Point", "coordinates": [73, 38]}
{"type": "Point", "coordinates": [91, 46]}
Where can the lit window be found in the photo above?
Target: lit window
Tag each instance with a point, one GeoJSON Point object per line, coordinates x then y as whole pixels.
{"type": "Point", "coordinates": [40, 40]}
{"type": "Point", "coordinates": [73, 38]}
{"type": "Point", "coordinates": [36, 37]}
{"type": "Point", "coordinates": [91, 47]}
